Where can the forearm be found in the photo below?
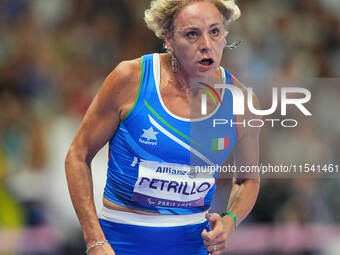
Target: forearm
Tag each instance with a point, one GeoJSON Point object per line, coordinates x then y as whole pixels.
{"type": "Point", "coordinates": [243, 197]}
{"type": "Point", "coordinates": [80, 185]}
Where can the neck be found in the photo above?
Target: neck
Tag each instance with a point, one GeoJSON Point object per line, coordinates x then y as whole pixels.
{"type": "Point", "coordinates": [183, 81]}
{"type": "Point", "coordinates": [186, 82]}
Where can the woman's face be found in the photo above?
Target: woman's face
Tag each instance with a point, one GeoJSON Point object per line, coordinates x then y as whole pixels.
{"type": "Point", "coordinates": [198, 39]}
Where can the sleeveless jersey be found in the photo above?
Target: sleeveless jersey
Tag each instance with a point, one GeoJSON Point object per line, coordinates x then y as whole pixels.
{"type": "Point", "coordinates": [160, 162]}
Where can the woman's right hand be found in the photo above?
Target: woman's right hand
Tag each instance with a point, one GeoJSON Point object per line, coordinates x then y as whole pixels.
{"type": "Point", "coordinates": [105, 249]}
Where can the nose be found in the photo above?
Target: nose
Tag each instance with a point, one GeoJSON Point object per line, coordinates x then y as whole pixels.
{"type": "Point", "coordinates": [205, 43]}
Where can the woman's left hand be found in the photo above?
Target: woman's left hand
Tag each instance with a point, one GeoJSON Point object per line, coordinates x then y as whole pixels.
{"type": "Point", "coordinates": [216, 239]}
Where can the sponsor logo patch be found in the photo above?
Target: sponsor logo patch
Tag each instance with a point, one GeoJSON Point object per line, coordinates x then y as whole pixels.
{"type": "Point", "coordinates": [148, 137]}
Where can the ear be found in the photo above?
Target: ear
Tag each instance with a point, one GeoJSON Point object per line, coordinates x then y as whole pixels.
{"type": "Point", "coordinates": [168, 40]}
{"type": "Point", "coordinates": [225, 37]}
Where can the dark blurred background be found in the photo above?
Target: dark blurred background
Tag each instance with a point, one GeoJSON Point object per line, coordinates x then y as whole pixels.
{"type": "Point", "coordinates": [54, 55]}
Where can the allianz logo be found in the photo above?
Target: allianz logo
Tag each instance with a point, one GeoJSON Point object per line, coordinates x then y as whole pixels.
{"type": "Point", "coordinates": [170, 170]}
{"type": "Point", "coordinates": [148, 137]}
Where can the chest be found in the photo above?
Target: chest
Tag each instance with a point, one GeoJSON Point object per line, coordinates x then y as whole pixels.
{"type": "Point", "coordinates": [189, 103]}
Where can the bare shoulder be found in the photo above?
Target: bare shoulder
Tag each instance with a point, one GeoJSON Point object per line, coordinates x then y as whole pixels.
{"type": "Point", "coordinates": [248, 115]}
{"type": "Point", "coordinates": [126, 70]}
{"type": "Point", "coordinates": [121, 85]}
{"type": "Point", "coordinates": [244, 89]}
{"type": "Point", "coordinates": [125, 75]}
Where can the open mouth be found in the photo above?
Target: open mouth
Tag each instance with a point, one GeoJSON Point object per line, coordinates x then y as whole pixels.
{"type": "Point", "coordinates": [207, 61]}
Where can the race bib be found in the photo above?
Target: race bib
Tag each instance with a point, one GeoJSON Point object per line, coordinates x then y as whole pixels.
{"type": "Point", "coordinates": [170, 185]}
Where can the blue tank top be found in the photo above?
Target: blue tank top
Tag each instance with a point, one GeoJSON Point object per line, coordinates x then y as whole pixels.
{"type": "Point", "coordinates": [160, 162]}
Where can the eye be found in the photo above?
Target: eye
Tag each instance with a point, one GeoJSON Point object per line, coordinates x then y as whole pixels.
{"type": "Point", "coordinates": [192, 35]}
{"type": "Point", "coordinates": [215, 32]}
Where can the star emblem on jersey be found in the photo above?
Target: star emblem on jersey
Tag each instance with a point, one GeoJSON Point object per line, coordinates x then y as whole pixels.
{"type": "Point", "coordinates": [149, 134]}
{"type": "Point", "coordinates": [148, 137]}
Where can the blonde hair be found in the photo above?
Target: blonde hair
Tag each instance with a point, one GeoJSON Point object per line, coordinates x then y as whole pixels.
{"type": "Point", "coordinates": [162, 13]}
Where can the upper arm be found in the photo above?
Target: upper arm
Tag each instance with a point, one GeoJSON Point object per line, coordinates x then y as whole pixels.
{"type": "Point", "coordinates": [105, 112]}
{"type": "Point", "coordinates": [247, 148]}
